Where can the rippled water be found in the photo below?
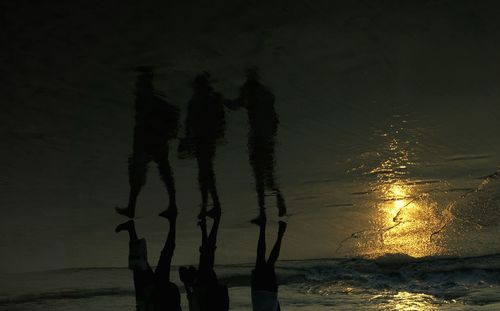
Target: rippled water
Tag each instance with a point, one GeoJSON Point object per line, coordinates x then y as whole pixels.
{"type": "Point", "coordinates": [413, 212]}
{"type": "Point", "coordinates": [389, 283]}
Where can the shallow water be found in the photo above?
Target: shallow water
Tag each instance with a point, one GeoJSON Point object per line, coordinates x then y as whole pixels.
{"type": "Point", "coordinates": [389, 283]}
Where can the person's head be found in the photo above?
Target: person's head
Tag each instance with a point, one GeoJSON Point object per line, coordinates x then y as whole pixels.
{"type": "Point", "coordinates": [145, 70]}
{"type": "Point", "coordinates": [252, 74]}
{"type": "Point", "coordinates": [202, 82]}
{"type": "Point", "coordinates": [145, 77]}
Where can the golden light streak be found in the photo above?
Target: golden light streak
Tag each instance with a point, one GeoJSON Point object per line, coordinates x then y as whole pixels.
{"type": "Point", "coordinates": [406, 301]}
{"type": "Point", "coordinates": [405, 215]}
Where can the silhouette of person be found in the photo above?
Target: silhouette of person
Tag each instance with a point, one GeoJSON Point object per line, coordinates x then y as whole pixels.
{"type": "Point", "coordinates": [204, 129]}
{"type": "Point", "coordinates": [153, 290]}
{"type": "Point", "coordinates": [263, 122]}
{"type": "Point", "coordinates": [203, 290]}
{"type": "Point", "coordinates": [264, 281]}
{"type": "Point", "coordinates": [156, 122]}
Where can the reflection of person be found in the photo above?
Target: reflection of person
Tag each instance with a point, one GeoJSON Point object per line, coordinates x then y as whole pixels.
{"type": "Point", "coordinates": [264, 282]}
{"type": "Point", "coordinates": [156, 122]}
{"type": "Point", "coordinates": [203, 290]}
{"type": "Point", "coordinates": [263, 121]}
{"type": "Point", "coordinates": [153, 290]}
{"type": "Point", "coordinates": [205, 128]}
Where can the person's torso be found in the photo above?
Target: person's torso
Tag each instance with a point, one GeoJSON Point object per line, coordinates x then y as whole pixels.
{"type": "Point", "coordinates": [206, 118]}
{"type": "Point", "coordinates": [262, 116]}
{"type": "Point", "coordinates": [155, 115]}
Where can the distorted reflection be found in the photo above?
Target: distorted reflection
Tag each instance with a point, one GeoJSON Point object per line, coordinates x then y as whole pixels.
{"type": "Point", "coordinates": [407, 301]}
{"type": "Point", "coordinates": [203, 289]}
{"type": "Point", "coordinates": [264, 280]}
{"type": "Point", "coordinates": [263, 120]}
{"type": "Point", "coordinates": [156, 123]}
{"type": "Point", "coordinates": [153, 289]}
{"type": "Point", "coordinates": [204, 129]}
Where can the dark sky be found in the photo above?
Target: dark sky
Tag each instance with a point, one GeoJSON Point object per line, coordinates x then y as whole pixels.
{"type": "Point", "coordinates": [340, 70]}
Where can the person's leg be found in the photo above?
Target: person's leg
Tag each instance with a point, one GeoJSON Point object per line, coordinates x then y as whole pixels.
{"type": "Point", "coordinates": [137, 247]}
{"type": "Point", "coordinates": [202, 183]}
{"type": "Point", "coordinates": [275, 252]}
{"type": "Point", "coordinates": [260, 189]}
{"type": "Point", "coordinates": [137, 170]}
{"type": "Point", "coordinates": [204, 260]}
{"type": "Point", "coordinates": [212, 187]}
{"type": "Point", "coordinates": [268, 163]}
{"type": "Point", "coordinates": [142, 273]}
{"type": "Point", "coordinates": [216, 210]}
{"type": "Point", "coordinates": [256, 161]}
{"type": "Point", "coordinates": [259, 176]}
{"type": "Point", "coordinates": [212, 238]}
{"type": "Point", "coordinates": [261, 243]}
{"type": "Point", "coordinates": [142, 280]}
{"type": "Point", "coordinates": [162, 271]}
{"type": "Point", "coordinates": [269, 168]}
{"type": "Point", "coordinates": [280, 202]}
{"type": "Point", "coordinates": [161, 158]}
{"type": "Point", "coordinates": [209, 245]}
{"type": "Point", "coordinates": [273, 186]}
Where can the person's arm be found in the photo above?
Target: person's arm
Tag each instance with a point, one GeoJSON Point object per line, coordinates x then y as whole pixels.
{"type": "Point", "coordinates": [239, 102]}
{"type": "Point", "coordinates": [234, 104]}
{"type": "Point", "coordinates": [185, 146]}
{"type": "Point", "coordinates": [190, 120]}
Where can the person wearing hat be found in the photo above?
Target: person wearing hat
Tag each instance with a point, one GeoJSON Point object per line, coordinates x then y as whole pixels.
{"type": "Point", "coordinates": [156, 122]}
{"type": "Point", "coordinates": [205, 128]}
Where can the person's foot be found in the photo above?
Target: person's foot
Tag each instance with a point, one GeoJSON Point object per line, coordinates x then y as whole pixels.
{"type": "Point", "coordinates": [281, 205]}
{"type": "Point", "coordinates": [281, 227]}
{"type": "Point", "coordinates": [126, 226]}
{"type": "Point", "coordinates": [125, 211]}
{"type": "Point", "coordinates": [214, 212]}
{"type": "Point", "coordinates": [260, 220]}
{"type": "Point", "coordinates": [170, 213]}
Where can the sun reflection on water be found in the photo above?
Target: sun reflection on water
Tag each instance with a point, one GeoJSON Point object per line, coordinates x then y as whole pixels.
{"type": "Point", "coordinates": [406, 301]}
{"type": "Point", "coordinates": [406, 220]}
{"type": "Point", "coordinates": [405, 214]}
